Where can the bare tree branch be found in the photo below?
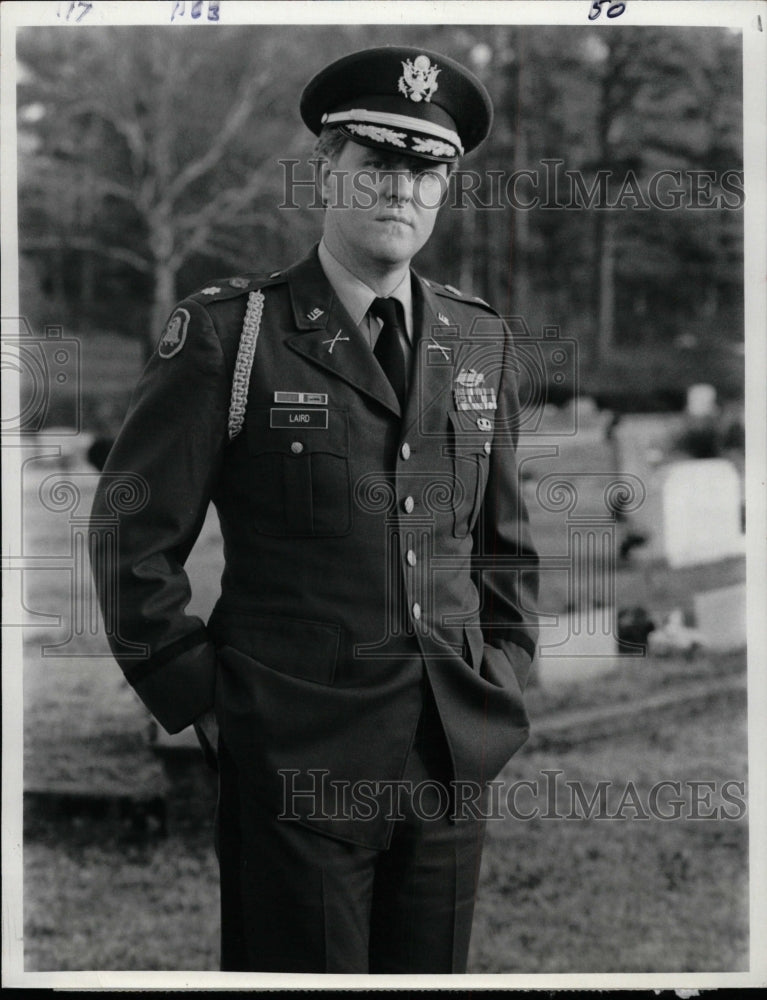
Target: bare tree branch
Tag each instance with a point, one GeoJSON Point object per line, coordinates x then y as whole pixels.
{"type": "Point", "coordinates": [121, 254]}
{"type": "Point", "coordinates": [236, 118]}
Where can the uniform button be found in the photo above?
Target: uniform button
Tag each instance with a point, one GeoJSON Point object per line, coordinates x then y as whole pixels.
{"type": "Point", "coordinates": [417, 612]}
{"type": "Point", "coordinates": [488, 447]}
{"type": "Point", "coordinates": [411, 557]}
{"type": "Point", "coordinates": [408, 504]}
{"type": "Point", "coordinates": [405, 451]}
{"type": "Point", "coordinates": [296, 447]}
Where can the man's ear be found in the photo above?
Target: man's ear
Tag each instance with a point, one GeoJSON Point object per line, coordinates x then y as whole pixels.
{"type": "Point", "coordinates": [324, 180]}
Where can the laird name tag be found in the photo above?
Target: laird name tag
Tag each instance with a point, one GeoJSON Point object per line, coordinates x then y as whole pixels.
{"type": "Point", "coordinates": [308, 419]}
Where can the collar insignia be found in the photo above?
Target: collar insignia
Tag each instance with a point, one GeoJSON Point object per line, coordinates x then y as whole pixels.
{"type": "Point", "coordinates": [315, 314]}
{"type": "Point", "coordinates": [445, 352]}
{"type": "Point", "coordinates": [419, 79]}
{"type": "Point", "coordinates": [334, 341]}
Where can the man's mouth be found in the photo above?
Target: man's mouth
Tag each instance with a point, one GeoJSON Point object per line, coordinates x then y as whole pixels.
{"type": "Point", "coordinates": [393, 217]}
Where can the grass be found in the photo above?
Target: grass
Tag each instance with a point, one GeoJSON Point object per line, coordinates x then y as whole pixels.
{"type": "Point", "coordinates": [634, 895]}
{"type": "Point", "coordinates": [555, 895]}
{"type": "Point", "coordinates": [99, 903]}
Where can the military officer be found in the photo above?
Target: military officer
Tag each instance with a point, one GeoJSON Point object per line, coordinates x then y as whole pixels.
{"type": "Point", "coordinates": [360, 678]}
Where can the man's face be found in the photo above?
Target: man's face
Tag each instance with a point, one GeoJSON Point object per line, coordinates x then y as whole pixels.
{"type": "Point", "coordinates": [381, 206]}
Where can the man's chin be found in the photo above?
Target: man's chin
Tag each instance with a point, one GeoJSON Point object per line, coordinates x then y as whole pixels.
{"type": "Point", "coordinates": [396, 246]}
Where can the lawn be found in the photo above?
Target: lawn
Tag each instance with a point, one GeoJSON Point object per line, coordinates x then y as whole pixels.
{"type": "Point", "coordinates": [556, 895]}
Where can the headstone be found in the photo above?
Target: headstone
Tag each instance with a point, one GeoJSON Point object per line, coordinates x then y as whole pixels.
{"type": "Point", "coordinates": [585, 408]}
{"type": "Point", "coordinates": [580, 646]}
{"type": "Point", "coordinates": [701, 519]}
{"type": "Point", "coordinates": [720, 615]}
{"type": "Point", "coordinates": [641, 444]}
{"type": "Point", "coordinates": [701, 400]}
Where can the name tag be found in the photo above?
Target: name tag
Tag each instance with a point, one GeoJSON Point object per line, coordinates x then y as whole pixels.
{"type": "Point", "coordinates": [308, 419]}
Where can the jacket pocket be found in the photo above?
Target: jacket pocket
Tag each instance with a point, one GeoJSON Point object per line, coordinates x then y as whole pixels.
{"type": "Point", "coordinates": [301, 480]}
{"type": "Point", "coordinates": [474, 646]}
{"type": "Point", "coordinates": [298, 647]}
{"type": "Point", "coordinates": [470, 450]}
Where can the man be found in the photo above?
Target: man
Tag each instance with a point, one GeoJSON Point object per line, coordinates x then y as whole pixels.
{"type": "Point", "coordinates": [359, 681]}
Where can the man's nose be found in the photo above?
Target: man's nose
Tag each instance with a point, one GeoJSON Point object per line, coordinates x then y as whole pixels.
{"type": "Point", "coordinates": [398, 184]}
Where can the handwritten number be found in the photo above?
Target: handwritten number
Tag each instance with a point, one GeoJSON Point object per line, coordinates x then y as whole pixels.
{"type": "Point", "coordinates": [196, 9]}
{"type": "Point", "coordinates": [72, 7]}
{"type": "Point", "coordinates": [614, 10]}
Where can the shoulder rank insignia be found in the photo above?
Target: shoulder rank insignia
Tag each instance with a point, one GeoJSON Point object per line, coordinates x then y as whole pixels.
{"type": "Point", "coordinates": [174, 335]}
{"type": "Point", "coordinates": [239, 282]}
{"type": "Point", "coordinates": [210, 290]}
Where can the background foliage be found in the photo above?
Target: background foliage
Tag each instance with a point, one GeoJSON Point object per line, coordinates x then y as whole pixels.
{"type": "Point", "coordinates": [149, 164]}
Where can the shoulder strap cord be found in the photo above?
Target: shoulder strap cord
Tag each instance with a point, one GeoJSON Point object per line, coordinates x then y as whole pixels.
{"type": "Point", "coordinates": [246, 351]}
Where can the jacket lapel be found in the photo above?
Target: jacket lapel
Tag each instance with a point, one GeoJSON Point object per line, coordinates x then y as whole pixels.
{"type": "Point", "coordinates": [435, 340]}
{"type": "Point", "coordinates": [328, 336]}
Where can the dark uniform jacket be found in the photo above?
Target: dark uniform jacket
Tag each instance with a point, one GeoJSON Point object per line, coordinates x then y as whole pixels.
{"type": "Point", "coordinates": [368, 552]}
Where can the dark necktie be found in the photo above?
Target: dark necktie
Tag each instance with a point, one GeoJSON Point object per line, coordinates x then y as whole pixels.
{"type": "Point", "coordinates": [388, 348]}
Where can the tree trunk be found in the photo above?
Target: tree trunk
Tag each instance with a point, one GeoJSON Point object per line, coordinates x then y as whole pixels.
{"type": "Point", "coordinates": [162, 303]}
{"type": "Point", "coordinates": [519, 255]}
{"type": "Point", "coordinates": [606, 250]}
{"type": "Point", "coordinates": [468, 230]}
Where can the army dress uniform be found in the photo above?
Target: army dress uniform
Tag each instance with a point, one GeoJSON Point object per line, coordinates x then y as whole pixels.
{"type": "Point", "coordinates": [377, 611]}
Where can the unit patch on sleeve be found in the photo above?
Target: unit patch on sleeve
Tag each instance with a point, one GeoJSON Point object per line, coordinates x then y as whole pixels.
{"type": "Point", "coordinates": [174, 335]}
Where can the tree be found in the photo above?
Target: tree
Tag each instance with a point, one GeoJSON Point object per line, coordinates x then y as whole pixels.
{"type": "Point", "coordinates": [121, 172]}
{"type": "Point", "coordinates": [150, 164]}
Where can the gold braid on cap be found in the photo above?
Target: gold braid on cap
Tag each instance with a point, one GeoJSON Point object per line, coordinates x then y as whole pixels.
{"type": "Point", "coordinates": [242, 368]}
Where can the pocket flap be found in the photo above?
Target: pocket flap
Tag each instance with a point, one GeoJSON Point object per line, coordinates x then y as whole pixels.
{"type": "Point", "coordinates": [468, 438]}
{"type": "Point", "coordinates": [304, 649]}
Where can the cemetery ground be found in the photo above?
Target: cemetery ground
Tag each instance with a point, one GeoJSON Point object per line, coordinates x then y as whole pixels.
{"type": "Point", "coordinates": [105, 888]}
{"type": "Point", "coordinates": [556, 895]}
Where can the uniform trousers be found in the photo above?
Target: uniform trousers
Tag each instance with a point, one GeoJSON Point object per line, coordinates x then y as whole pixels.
{"type": "Point", "coordinates": [296, 900]}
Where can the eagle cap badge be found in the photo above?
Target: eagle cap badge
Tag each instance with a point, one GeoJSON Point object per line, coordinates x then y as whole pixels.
{"type": "Point", "coordinates": [419, 78]}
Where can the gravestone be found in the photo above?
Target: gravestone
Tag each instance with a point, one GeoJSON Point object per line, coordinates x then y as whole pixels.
{"type": "Point", "coordinates": [701, 401]}
{"type": "Point", "coordinates": [581, 645]}
{"type": "Point", "coordinates": [700, 518]}
{"type": "Point", "coordinates": [642, 443]}
{"type": "Point", "coordinates": [721, 616]}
